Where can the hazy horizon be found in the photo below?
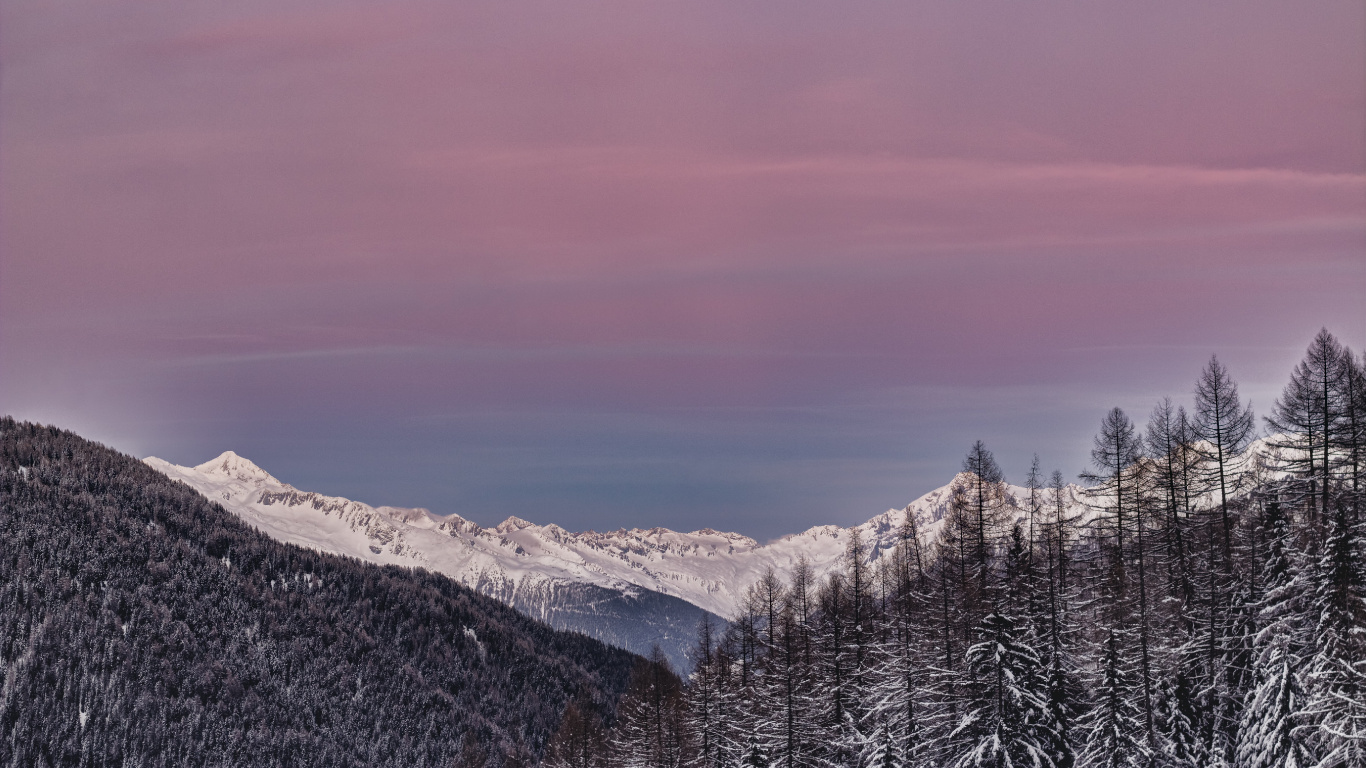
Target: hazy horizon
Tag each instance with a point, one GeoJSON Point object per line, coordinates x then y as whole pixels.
{"type": "Point", "coordinates": [610, 265]}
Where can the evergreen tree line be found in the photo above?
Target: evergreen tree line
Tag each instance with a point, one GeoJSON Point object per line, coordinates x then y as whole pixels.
{"type": "Point", "coordinates": [1200, 602]}
{"type": "Point", "coordinates": [142, 625]}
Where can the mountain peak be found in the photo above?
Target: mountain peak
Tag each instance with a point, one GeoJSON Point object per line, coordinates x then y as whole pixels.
{"type": "Point", "coordinates": [513, 523]}
{"type": "Point", "coordinates": [234, 467]}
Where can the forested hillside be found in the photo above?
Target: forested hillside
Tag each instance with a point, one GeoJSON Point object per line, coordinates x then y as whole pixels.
{"type": "Point", "coordinates": [1206, 608]}
{"type": "Point", "coordinates": [142, 625]}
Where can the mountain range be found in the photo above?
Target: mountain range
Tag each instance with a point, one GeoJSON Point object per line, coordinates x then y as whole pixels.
{"type": "Point", "coordinates": [634, 588]}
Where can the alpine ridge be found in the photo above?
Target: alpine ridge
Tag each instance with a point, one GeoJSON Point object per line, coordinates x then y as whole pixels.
{"type": "Point", "coordinates": [634, 588]}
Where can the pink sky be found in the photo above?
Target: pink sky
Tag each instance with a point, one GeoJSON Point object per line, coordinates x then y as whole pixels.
{"type": "Point", "coordinates": [560, 246]}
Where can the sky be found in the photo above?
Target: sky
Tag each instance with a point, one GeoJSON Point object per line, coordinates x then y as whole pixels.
{"type": "Point", "coordinates": [748, 265]}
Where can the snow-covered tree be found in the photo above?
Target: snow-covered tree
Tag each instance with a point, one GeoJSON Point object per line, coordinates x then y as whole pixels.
{"type": "Point", "coordinates": [1336, 669]}
{"type": "Point", "coordinates": [1009, 721]}
{"type": "Point", "coordinates": [650, 731]}
{"type": "Point", "coordinates": [711, 703]}
{"type": "Point", "coordinates": [1178, 742]}
{"type": "Point", "coordinates": [1114, 728]}
{"type": "Point", "coordinates": [1271, 732]}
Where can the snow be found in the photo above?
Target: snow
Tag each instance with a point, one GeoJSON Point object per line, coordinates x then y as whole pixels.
{"type": "Point", "coordinates": [708, 568]}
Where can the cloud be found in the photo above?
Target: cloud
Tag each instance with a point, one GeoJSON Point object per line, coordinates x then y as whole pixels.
{"type": "Point", "coordinates": [802, 234]}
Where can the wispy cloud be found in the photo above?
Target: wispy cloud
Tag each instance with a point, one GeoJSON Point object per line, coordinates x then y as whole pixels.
{"type": "Point", "coordinates": [793, 243]}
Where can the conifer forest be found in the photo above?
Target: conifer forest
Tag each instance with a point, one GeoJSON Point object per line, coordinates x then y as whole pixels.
{"type": "Point", "coordinates": [706, 384]}
{"type": "Point", "coordinates": [142, 625]}
{"type": "Point", "coordinates": [1205, 605]}
{"type": "Point", "coordinates": [1198, 600]}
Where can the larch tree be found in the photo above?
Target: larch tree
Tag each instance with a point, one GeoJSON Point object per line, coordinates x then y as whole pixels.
{"type": "Point", "coordinates": [1033, 573]}
{"type": "Point", "coordinates": [1168, 444]}
{"type": "Point", "coordinates": [710, 702]}
{"type": "Point", "coordinates": [580, 741]}
{"type": "Point", "coordinates": [984, 493]}
{"type": "Point", "coordinates": [1114, 495]}
{"type": "Point", "coordinates": [650, 731]}
{"type": "Point", "coordinates": [1224, 426]}
{"type": "Point", "coordinates": [1121, 493]}
{"type": "Point", "coordinates": [1025, 636]}
{"type": "Point", "coordinates": [1352, 438]}
{"type": "Point", "coordinates": [1308, 420]}
{"type": "Point", "coordinates": [1065, 691]}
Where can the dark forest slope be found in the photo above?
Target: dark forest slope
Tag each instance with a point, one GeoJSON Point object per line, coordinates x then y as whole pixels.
{"type": "Point", "coordinates": [142, 624]}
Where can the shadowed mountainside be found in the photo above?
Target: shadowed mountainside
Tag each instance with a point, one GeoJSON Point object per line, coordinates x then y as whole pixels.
{"type": "Point", "coordinates": [141, 623]}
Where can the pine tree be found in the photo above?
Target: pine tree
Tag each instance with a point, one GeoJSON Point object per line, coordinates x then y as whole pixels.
{"type": "Point", "coordinates": [1352, 439]}
{"type": "Point", "coordinates": [1223, 426]}
{"type": "Point", "coordinates": [883, 752]}
{"type": "Point", "coordinates": [861, 619]}
{"type": "Point", "coordinates": [835, 665]}
{"type": "Point", "coordinates": [1250, 654]}
{"type": "Point", "coordinates": [1238, 668]}
{"type": "Point", "coordinates": [1114, 729]}
{"type": "Point", "coordinates": [1032, 573]}
{"type": "Point", "coordinates": [709, 702]}
{"type": "Point", "coordinates": [1337, 667]}
{"type": "Point", "coordinates": [767, 594]}
{"type": "Point", "coordinates": [1060, 536]}
{"type": "Point", "coordinates": [1008, 722]}
{"type": "Point", "coordinates": [900, 692]}
{"type": "Point", "coordinates": [944, 672]}
{"type": "Point", "coordinates": [1065, 693]}
{"type": "Point", "coordinates": [747, 654]}
{"type": "Point", "coordinates": [755, 754]}
{"type": "Point", "coordinates": [791, 701]}
{"type": "Point", "coordinates": [1122, 495]}
{"type": "Point", "coordinates": [1178, 743]}
{"type": "Point", "coordinates": [958, 602]}
{"type": "Point", "coordinates": [1271, 731]}
{"type": "Point", "coordinates": [1064, 696]}
{"type": "Point", "coordinates": [1115, 454]}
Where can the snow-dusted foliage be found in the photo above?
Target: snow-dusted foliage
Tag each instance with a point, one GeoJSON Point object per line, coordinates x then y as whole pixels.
{"type": "Point", "coordinates": [141, 625]}
{"type": "Point", "coordinates": [1114, 734]}
{"type": "Point", "coordinates": [1202, 604]}
{"type": "Point", "coordinates": [632, 588]}
{"type": "Point", "coordinates": [1008, 721]}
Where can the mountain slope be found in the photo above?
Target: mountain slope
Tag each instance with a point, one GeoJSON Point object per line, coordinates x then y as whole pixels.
{"type": "Point", "coordinates": [532, 568]}
{"type": "Point", "coordinates": [140, 624]}
{"type": "Point", "coordinates": [632, 588]}
{"type": "Point", "coordinates": [537, 567]}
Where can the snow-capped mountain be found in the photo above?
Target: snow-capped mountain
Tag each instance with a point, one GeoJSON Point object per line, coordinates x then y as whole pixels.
{"type": "Point", "coordinates": [630, 587]}
{"type": "Point", "coordinates": [708, 568]}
